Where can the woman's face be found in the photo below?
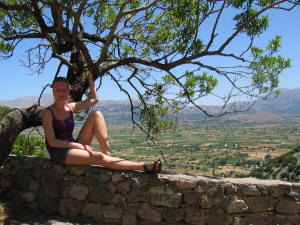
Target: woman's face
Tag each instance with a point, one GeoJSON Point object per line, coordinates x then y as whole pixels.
{"type": "Point", "coordinates": [61, 90]}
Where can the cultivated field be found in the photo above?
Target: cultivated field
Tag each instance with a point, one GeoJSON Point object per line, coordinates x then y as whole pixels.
{"type": "Point", "coordinates": [208, 147]}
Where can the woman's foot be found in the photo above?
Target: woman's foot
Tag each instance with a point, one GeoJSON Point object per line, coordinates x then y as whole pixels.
{"type": "Point", "coordinates": [152, 167]}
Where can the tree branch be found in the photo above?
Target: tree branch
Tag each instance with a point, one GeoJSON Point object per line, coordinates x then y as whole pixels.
{"type": "Point", "coordinates": [110, 35]}
{"type": "Point", "coordinates": [136, 10]}
{"type": "Point", "coordinates": [23, 36]}
{"type": "Point", "coordinates": [93, 37]}
{"type": "Point", "coordinates": [14, 7]}
{"type": "Point", "coordinates": [15, 122]}
{"type": "Point", "coordinates": [38, 16]}
{"type": "Point", "coordinates": [212, 36]}
{"type": "Point", "coordinates": [242, 27]}
{"type": "Point", "coordinates": [78, 17]}
{"type": "Point", "coordinates": [63, 60]}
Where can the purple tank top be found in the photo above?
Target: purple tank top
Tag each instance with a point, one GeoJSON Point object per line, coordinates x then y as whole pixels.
{"type": "Point", "coordinates": [63, 129]}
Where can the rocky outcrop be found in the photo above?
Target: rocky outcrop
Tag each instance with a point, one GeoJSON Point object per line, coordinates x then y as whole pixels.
{"type": "Point", "coordinates": [129, 197]}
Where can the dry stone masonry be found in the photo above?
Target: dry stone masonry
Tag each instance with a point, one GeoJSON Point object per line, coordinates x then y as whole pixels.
{"type": "Point", "coordinates": [130, 198]}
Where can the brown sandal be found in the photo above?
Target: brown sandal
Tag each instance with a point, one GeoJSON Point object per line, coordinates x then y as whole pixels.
{"type": "Point", "coordinates": [153, 170]}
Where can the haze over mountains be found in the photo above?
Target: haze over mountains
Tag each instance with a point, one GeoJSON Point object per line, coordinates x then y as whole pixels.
{"type": "Point", "coordinates": [274, 108]}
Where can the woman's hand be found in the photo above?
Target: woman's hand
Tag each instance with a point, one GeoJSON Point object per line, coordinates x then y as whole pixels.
{"type": "Point", "coordinates": [92, 100]}
{"type": "Point", "coordinates": [81, 146]}
{"type": "Point", "coordinates": [88, 148]}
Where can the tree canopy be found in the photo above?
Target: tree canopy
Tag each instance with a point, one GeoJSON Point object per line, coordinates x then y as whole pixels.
{"type": "Point", "coordinates": [170, 53]}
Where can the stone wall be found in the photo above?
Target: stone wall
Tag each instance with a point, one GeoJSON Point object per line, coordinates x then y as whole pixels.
{"type": "Point", "coordinates": [129, 197]}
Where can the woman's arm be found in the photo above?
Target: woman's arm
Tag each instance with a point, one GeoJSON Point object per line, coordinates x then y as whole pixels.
{"type": "Point", "coordinates": [50, 136]}
{"type": "Point", "coordinates": [93, 99]}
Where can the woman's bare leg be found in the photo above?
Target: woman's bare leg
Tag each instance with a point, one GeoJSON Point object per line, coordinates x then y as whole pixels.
{"type": "Point", "coordinates": [95, 125]}
{"type": "Point", "coordinates": [84, 157]}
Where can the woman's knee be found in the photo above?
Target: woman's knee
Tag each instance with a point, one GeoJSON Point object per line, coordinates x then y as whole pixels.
{"type": "Point", "coordinates": [97, 113]}
{"type": "Point", "coordinates": [100, 157]}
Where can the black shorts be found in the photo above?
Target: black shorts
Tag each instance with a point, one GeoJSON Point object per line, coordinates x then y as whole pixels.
{"type": "Point", "coordinates": [59, 155]}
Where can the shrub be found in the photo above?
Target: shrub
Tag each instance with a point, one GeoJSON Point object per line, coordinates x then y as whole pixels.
{"type": "Point", "coordinates": [29, 145]}
{"type": "Point", "coordinates": [3, 111]}
{"type": "Point", "coordinates": [285, 175]}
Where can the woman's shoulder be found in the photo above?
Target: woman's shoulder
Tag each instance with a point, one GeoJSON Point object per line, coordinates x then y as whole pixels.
{"type": "Point", "coordinates": [47, 111]}
{"type": "Point", "coordinates": [71, 106]}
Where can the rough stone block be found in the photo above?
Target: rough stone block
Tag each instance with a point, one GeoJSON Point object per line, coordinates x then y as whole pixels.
{"type": "Point", "coordinates": [6, 169]}
{"type": "Point", "coordinates": [70, 207]}
{"type": "Point", "coordinates": [230, 189]}
{"type": "Point", "coordinates": [295, 194]}
{"type": "Point", "coordinates": [119, 200]}
{"type": "Point", "coordinates": [29, 196]}
{"type": "Point", "coordinates": [123, 188]}
{"type": "Point", "coordinates": [219, 217]}
{"type": "Point", "coordinates": [34, 185]}
{"type": "Point", "coordinates": [103, 178]}
{"type": "Point", "coordinates": [93, 210]}
{"type": "Point", "coordinates": [99, 194]}
{"type": "Point", "coordinates": [252, 219]}
{"type": "Point", "coordinates": [139, 183]}
{"type": "Point", "coordinates": [74, 179]}
{"type": "Point", "coordinates": [78, 170]}
{"type": "Point", "coordinates": [91, 179]}
{"type": "Point", "coordinates": [116, 177]}
{"type": "Point", "coordinates": [138, 195]}
{"type": "Point", "coordinates": [237, 206]}
{"type": "Point", "coordinates": [112, 212]}
{"type": "Point", "coordinates": [287, 206]}
{"type": "Point", "coordinates": [185, 184]}
{"type": "Point", "coordinates": [20, 181]}
{"type": "Point", "coordinates": [52, 185]}
{"type": "Point", "coordinates": [259, 203]}
{"type": "Point", "coordinates": [147, 213]}
{"type": "Point", "coordinates": [173, 215]}
{"type": "Point", "coordinates": [28, 162]}
{"type": "Point", "coordinates": [111, 188]}
{"type": "Point", "coordinates": [6, 182]}
{"type": "Point", "coordinates": [281, 220]}
{"type": "Point", "coordinates": [217, 195]}
{"type": "Point", "coordinates": [196, 216]}
{"type": "Point", "coordinates": [129, 219]}
{"type": "Point", "coordinates": [206, 202]}
{"type": "Point", "coordinates": [251, 191]}
{"type": "Point", "coordinates": [279, 190]}
{"type": "Point", "coordinates": [48, 205]}
{"type": "Point", "coordinates": [75, 191]}
{"type": "Point", "coordinates": [190, 197]}
{"type": "Point", "coordinates": [161, 196]}
{"type": "Point", "coordinates": [294, 219]}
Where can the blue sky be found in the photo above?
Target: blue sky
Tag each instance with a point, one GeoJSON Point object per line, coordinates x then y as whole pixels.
{"type": "Point", "coordinates": [17, 81]}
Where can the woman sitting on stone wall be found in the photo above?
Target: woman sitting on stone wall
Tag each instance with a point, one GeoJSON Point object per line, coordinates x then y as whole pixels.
{"type": "Point", "coordinates": [58, 123]}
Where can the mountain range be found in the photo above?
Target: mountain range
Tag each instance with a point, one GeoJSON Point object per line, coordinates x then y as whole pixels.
{"type": "Point", "coordinates": [274, 108]}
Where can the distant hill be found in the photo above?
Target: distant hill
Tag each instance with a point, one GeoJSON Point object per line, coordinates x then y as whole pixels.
{"type": "Point", "coordinates": [288, 102]}
{"type": "Point", "coordinates": [272, 109]}
{"type": "Point", "coordinates": [253, 116]}
{"type": "Point", "coordinates": [26, 101]}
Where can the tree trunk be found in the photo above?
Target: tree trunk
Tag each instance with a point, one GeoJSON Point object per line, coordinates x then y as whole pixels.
{"type": "Point", "coordinates": [14, 123]}
{"type": "Point", "coordinates": [76, 78]}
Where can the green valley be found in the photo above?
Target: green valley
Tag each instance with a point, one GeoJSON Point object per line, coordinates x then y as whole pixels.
{"type": "Point", "coordinates": [209, 147]}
